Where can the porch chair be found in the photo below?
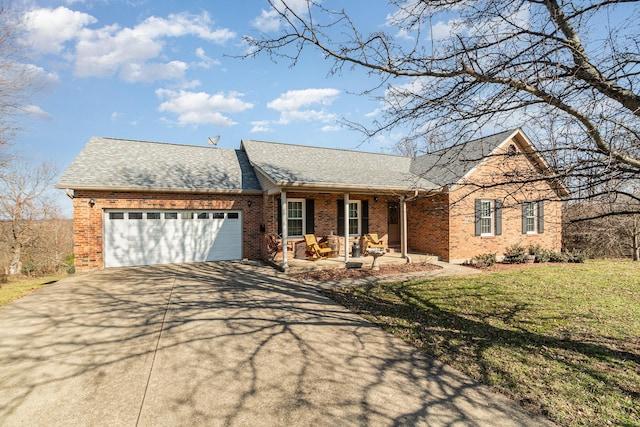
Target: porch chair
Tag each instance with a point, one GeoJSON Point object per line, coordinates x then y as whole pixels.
{"type": "Point", "coordinates": [372, 241]}
{"type": "Point", "coordinates": [316, 250]}
{"type": "Point", "coordinates": [274, 245]}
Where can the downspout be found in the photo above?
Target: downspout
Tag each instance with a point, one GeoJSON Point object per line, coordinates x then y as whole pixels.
{"type": "Point", "coordinates": [69, 193]}
{"type": "Point", "coordinates": [346, 228]}
{"type": "Point", "coordinates": [285, 231]}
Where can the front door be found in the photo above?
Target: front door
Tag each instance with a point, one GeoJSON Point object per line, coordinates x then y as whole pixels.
{"type": "Point", "coordinates": [393, 223]}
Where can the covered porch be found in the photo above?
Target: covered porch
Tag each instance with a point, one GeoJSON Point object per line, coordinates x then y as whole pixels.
{"type": "Point", "coordinates": [296, 265]}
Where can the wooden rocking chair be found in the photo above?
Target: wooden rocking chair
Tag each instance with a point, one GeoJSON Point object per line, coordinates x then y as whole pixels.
{"type": "Point", "coordinates": [316, 250]}
{"type": "Point", "coordinates": [372, 241]}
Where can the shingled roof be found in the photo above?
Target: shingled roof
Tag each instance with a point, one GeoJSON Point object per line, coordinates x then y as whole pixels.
{"type": "Point", "coordinates": [119, 164]}
{"type": "Point", "coordinates": [130, 165]}
{"type": "Point", "coordinates": [299, 165]}
{"type": "Point", "coordinates": [448, 166]}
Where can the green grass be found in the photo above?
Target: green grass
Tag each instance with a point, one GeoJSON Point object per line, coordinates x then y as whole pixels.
{"type": "Point", "coordinates": [563, 340]}
{"type": "Point", "coordinates": [19, 287]}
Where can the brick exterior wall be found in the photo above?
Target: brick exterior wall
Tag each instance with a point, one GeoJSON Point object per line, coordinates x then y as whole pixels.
{"type": "Point", "coordinates": [444, 224]}
{"type": "Point", "coordinates": [428, 225]}
{"type": "Point", "coordinates": [88, 226]}
{"type": "Point", "coordinates": [325, 214]}
{"type": "Point", "coordinates": [441, 224]}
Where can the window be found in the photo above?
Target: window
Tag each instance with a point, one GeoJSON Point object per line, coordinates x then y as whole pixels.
{"type": "Point", "coordinates": [532, 217]}
{"type": "Point", "coordinates": [171, 215]}
{"type": "Point", "coordinates": [116, 215]}
{"type": "Point", "coordinates": [486, 217]}
{"type": "Point", "coordinates": [295, 217]}
{"type": "Point", "coordinates": [186, 215]}
{"type": "Point", "coordinates": [135, 215]}
{"type": "Point", "coordinates": [153, 215]}
{"type": "Point", "coordinates": [300, 217]}
{"type": "Point", "coordinates": [203, 215]}
{"type": "Point", "coordinates": [217, 215]}
{"type": "Point", "coordinates": [354, 218]}
{"type": "Point", "coordinates": [530, 212]}
{"type": "Point", "coordinates": [357, 215]}
{"type": "Point", "coordinates": [233, 215]}
{"type": "Point", "coordinates": [488, 213]}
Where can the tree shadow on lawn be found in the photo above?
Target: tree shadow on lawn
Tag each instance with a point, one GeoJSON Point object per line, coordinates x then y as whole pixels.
{"type": "Point", "coordinates": [599, 364]}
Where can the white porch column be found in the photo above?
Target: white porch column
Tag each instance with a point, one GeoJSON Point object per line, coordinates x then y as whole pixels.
{"type": "Point", "coordinates": [346, 228]}
{"type": "Point", "coordinates": [285, 231]}
{"type": "Point", "coordinates": [403, 226]}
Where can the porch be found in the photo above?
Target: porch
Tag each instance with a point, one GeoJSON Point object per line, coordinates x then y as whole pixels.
{"type": "Point", "coordinates": [299, 265]}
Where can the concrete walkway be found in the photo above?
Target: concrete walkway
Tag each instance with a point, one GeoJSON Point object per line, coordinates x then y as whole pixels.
{"type": "Point", "coordinates": [219, 344]}
{"type": "Point", "coordinates": [444, 270]}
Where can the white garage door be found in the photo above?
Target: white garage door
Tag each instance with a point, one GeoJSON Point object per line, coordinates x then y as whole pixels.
{"type": "Point", "coordinates": [140, 237]}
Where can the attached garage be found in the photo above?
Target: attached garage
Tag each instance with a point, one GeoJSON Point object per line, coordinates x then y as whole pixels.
{"type": "Point", "coordinates": [146, 237]}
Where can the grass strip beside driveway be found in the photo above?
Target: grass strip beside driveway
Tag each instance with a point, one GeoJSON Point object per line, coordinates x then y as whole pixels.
{"type": "Point", "coordinates": [18, 287]}
{"type": "Point", "coordinates": [562, 340]}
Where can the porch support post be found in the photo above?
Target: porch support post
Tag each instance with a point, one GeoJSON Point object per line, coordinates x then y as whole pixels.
{"type": "Point", "coordinates": [403, 226]}
{"type": "Point", "coordinates": [285, 231]}
{"type": "Point", "coordinates": [346, 228]}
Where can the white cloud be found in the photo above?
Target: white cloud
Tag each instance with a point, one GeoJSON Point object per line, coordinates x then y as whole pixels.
{"type": "Point", "coordinates": [270, 20]}
{"type": "Point", "coordinates": [48, 29]}
{"type": "Point", "coordinates": [330, 128]}
{"type": "Point", "coordinates": [445, 30]}
{"type": "Point", "coordinates": [34, 110]}
{"type": "Point", "coordinates": [287, 117]}
{"type": "Point", "coordinates": [151, 72]}
{"type": "Point", "coordinates": [291, 105]}
{"type": "Point", "coordinates": [43, 79]}
{"type": "Point", "coordinates": [260, 126]}
{"type": "Point", "coordinates": [132, 53]}
{"type": "Point", "coordinates": [196, 108]}
{"type": "Point", "coordinates": [374, 113]}
{"type": "Point", "coordinates": [205, 61]}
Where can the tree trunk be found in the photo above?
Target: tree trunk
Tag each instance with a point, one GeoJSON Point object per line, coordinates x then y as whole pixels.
{"type": "Point", "coordinates": [635, 235]}
{"type": "Point", "coordinates": [15, 265]}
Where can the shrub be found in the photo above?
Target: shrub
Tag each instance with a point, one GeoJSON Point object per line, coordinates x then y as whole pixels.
{"type": "Point", "coordinates": [29, 268]}
{"type": "Point", "coordinates": [515, 254]}
{"type": "Point", "coordinates": [484, 260]}
{"type": "Point", "coordinates": [575, 256]}
{"type": "Point", "coordinates": [542, 255]}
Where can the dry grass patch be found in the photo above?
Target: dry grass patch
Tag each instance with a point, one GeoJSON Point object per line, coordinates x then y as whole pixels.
{"type": "Point", "coordinates": [20, 286]}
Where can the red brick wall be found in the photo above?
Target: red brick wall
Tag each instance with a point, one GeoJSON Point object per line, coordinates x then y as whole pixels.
{"type": "Point", "coordinates": [88, 227]}
{"type": "Point", "coordinates": [512, 179]}
{"type": "Point", "coordinates": [428, 225]}
{"type": "Point", "coordinates": [325, 210]}
{"type": "Point", "coordinates": [444, 224]}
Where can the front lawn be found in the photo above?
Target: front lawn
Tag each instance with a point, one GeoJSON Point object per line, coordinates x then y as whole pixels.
{"type": "Point", "coordinates": [562, 340]}
{"type": "Point", "coordinates": [21, 286]}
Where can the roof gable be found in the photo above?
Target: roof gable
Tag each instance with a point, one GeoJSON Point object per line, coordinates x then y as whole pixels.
{"type": "Point", "coordinates": [448, 166]}
{"type": "Point", "coordinates": [118, 164]}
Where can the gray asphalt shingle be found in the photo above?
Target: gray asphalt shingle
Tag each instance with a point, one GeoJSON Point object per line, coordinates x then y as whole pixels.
{"type": "Point", "coordinates": [447, 166]}
{"type": "Point", "coordinates": [109, 163]}
{"type": "Point", "coordinates": [298, 164]}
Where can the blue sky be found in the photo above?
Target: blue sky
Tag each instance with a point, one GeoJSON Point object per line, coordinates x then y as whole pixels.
{"type": "Point", "coordinates": [165, 71]}
{"type": "Point", "coordinates": [168, 71]}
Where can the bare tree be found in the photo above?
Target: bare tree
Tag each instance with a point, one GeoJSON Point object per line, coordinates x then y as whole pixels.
{"type": "Point", "coordinates": [572, 66]}
{"type": "Point", "coordinates": [16, 78]}
{"type": "Point", "coordinates": [24, 200]}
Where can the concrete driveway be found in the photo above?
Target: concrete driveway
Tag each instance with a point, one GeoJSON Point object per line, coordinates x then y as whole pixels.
{"type": "Point", "coordinates": [218, 344]}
